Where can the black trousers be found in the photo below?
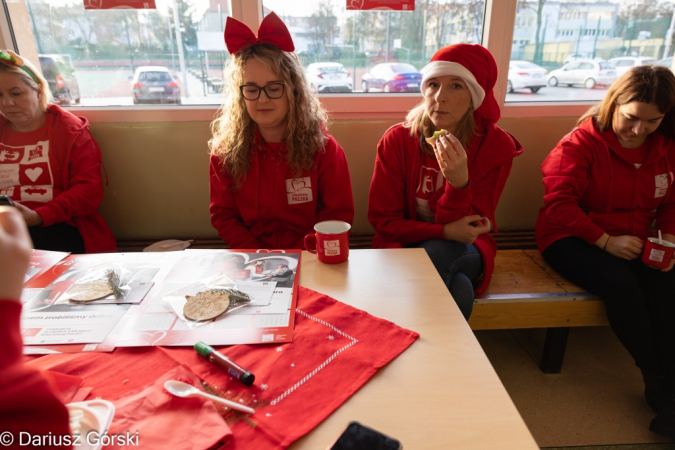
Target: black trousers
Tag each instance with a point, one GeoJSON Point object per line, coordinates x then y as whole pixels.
{"type": "Point", "coordinates": [60, 237]}
{"type": "Point", "coordinates": [640, 300]}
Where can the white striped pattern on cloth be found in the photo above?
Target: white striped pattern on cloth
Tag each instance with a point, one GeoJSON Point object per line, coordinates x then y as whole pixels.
{"type": "Point", "coordinates": [323, 364]}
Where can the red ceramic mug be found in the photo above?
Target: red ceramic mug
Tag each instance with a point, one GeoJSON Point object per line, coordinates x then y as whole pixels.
{"type": "Point", "coordinates": [330, 241]}
{"type": "Point", "coordinates": [657, 255]}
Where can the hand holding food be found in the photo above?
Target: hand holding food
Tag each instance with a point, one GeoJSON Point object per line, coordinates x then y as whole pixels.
{"type": "Point", "coordinates": [437, 134]}
{"type": "Point", "coordinates": [452, 160]}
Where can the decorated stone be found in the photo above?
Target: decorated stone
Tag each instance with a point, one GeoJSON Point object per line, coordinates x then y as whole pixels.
{"type": "Point", "coordinates": [86, 292]}
{"type": "Point", "coordinates": [206, 305]}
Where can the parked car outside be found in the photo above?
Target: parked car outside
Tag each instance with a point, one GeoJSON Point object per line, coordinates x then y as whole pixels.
{"type": "Point", "coordinates": [60, 75]}
{"type": "Point", "coordinates": [155, 84]}
{"type": "Point", "coordinates": [623, 63]}
{"type": "Point", "coordinates": [586, 72]}
{"type": "Point", "coordinates": [577, 56]}
{"type": "Point", "coordinates": [392, 77]}
{"type": "Point", "coordinates": [526, 75]}
{"type": "Point", "coordinates": [329, 77]}
{"type": "Point", "coordinates": [573, 57]}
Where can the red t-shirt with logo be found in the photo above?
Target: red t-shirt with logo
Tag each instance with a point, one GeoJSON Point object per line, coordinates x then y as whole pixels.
{"type": "Point", "coordinates": [29, 167]}
{"type": "Point", "coordinates": [430, 180]}
{"type": "Point", "coordinates": [274, 208]}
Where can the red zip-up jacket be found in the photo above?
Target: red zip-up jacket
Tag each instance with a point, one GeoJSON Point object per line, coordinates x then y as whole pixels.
{"type": "Point", "coordinates": [74, 158]}
{"type": "Point", "coordinates": [28, 403]}
{"type": "Point", "coordinates": [392, 208]}
{"type": "Point", "coordinates": [273, 209]}
{"type": "Point", "coordinates": [591, 188]}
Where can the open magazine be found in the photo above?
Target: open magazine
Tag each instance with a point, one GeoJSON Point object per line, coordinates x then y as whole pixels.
{"type": "Point", "coordinates": [220, 297]}
{"type": "Point", "coordinates": [97, 302]}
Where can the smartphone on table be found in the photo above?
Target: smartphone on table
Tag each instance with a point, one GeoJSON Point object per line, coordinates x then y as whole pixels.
{"type": "Point", "coordinates": [6, 201]}
{"type": "Point", "coordinates": [361, 437]}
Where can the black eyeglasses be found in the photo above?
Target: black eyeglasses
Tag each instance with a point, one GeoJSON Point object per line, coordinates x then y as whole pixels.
{"type": "Point", "coordinates": [272, 90]}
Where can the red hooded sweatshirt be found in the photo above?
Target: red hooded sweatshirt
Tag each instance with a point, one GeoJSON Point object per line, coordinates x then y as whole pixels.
{"type": "Point", "coordinates": [392, 208]}
{"type": "Point", "coordinates": [56, 171]}
{"type": "Point", "coordinates": [273, 209]}
{"type": "Point", "coordinates": [592, 187]}
{"type": "Point", "coordinates": [28, 403]}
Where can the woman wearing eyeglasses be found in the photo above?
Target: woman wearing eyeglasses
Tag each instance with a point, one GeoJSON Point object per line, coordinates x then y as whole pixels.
{"type": "Point", "coordinates": [50, 165]}
{"type": "Point", "coordinates": [274, 171]}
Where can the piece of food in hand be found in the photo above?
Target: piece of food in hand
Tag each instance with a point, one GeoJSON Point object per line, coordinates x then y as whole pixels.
{"type": "Point", "coordinates": [432, 140]}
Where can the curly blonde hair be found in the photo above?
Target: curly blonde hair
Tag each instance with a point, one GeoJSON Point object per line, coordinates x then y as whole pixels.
{"type": "Point", "coordinates": [233, 130]}
{"type": "Point", "coordinates": [420, 124]}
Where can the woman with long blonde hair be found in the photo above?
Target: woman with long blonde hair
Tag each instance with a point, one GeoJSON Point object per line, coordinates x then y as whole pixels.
{"type": "Point", "coordinates": [275, 171]}
{"type": "Point", "coordinates": [439, 175]}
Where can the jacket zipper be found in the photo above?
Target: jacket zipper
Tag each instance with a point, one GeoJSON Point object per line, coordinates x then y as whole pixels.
{"type": "Point", "coordinates": [633, 200]}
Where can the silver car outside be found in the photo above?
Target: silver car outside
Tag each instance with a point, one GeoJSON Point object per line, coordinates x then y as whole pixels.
{"type": "Point", "coordinates": [585, 72]}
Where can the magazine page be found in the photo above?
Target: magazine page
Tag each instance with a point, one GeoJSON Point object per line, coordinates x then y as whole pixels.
{"type": "Point", "coordinates": [241, 297]}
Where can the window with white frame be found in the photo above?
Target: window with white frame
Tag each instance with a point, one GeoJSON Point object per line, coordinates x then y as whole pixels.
{"type": "Point", "coordinates": [170, 54]}
{"type": "Point", "coordinates": [379, 51]}
{"type": "Point", "coordinates": [102, 57]}
{"type": "Point", "coordinates": [604, 35]}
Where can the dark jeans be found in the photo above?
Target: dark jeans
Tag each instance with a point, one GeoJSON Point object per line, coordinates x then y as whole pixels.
{"type": "Point", "coordinates": [640, 300]}
{"type": "Point", "coordinates": [459, 265]}
{"type": "Point", "coordinates": [60, 237]}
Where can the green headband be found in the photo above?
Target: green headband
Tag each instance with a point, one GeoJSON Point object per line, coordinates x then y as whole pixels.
{"type": "Point", "coordinates": [12, 59]}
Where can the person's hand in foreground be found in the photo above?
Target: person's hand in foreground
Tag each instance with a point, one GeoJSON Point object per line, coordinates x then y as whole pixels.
{"type": "Point", "coordinates": [15, 247]}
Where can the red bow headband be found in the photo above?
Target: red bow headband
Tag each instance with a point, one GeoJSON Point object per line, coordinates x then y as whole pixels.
{"type": "Point", "coordinates": [271, 31]}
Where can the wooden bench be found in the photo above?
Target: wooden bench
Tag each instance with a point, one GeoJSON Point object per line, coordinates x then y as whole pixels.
{"type": "Point", "coordinates": [356, 240]}
{"type": "Point", "coordinates": [526, 293]}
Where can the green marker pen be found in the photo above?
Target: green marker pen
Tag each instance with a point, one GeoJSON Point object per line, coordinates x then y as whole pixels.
{"type": "Point", "coordinates": [223, 362]}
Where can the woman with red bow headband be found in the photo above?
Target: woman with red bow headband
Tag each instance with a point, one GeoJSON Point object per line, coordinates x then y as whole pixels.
{"type": "Point", "coordinates": [51, 164]}
{"type": "Point", "coordinates": [275, 171]}
{"type": "Point", "coordinates": [439, 175]}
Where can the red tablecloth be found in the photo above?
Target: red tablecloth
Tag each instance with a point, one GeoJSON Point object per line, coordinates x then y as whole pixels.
{"type": "Point", "coordinates": [336, 348]}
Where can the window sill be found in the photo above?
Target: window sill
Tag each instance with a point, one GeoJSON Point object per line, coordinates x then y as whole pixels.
{"type": "Point", "coordinates": [339, 106]}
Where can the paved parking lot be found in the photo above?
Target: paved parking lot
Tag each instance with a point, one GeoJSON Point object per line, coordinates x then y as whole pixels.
{"type": "Point", "coordinates": [113, 87]}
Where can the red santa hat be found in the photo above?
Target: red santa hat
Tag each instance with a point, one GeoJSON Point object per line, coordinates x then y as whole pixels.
{"type": "Point", "coordinates": [473, 64]}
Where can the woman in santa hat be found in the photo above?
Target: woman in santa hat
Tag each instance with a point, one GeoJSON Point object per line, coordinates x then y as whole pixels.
{"type": "Point", "coordinates": [275, 171]}
{"type": "Point", "coordinates": [439, 175]}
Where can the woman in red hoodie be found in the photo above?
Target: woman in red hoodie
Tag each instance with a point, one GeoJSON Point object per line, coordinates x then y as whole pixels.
{"type": "Point", "coordinates": [608, 182]}
{"type": "Point", "coordinates": [442, 194]}
{"type": "Point", "coordinates": [275, 171]}
{"type": "Point", "coordinates": [50, 164]}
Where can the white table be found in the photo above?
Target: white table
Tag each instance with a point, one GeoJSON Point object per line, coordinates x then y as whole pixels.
{"type": "Point", "coordinates": [442, 392]}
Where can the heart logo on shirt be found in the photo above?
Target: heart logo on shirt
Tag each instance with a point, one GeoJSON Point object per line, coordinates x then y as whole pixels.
{"type": "Point", "coordinates": [298, 184]}
{"type": "Point", "coordinates": [34, 173]}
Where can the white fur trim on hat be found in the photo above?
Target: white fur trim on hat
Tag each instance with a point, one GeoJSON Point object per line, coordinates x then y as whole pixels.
{"type": "Point", "coordinates": [441, 68]}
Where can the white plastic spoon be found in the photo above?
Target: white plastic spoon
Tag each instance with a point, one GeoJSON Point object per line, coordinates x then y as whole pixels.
{"type": "Point", "coordinates": [180, 389]}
